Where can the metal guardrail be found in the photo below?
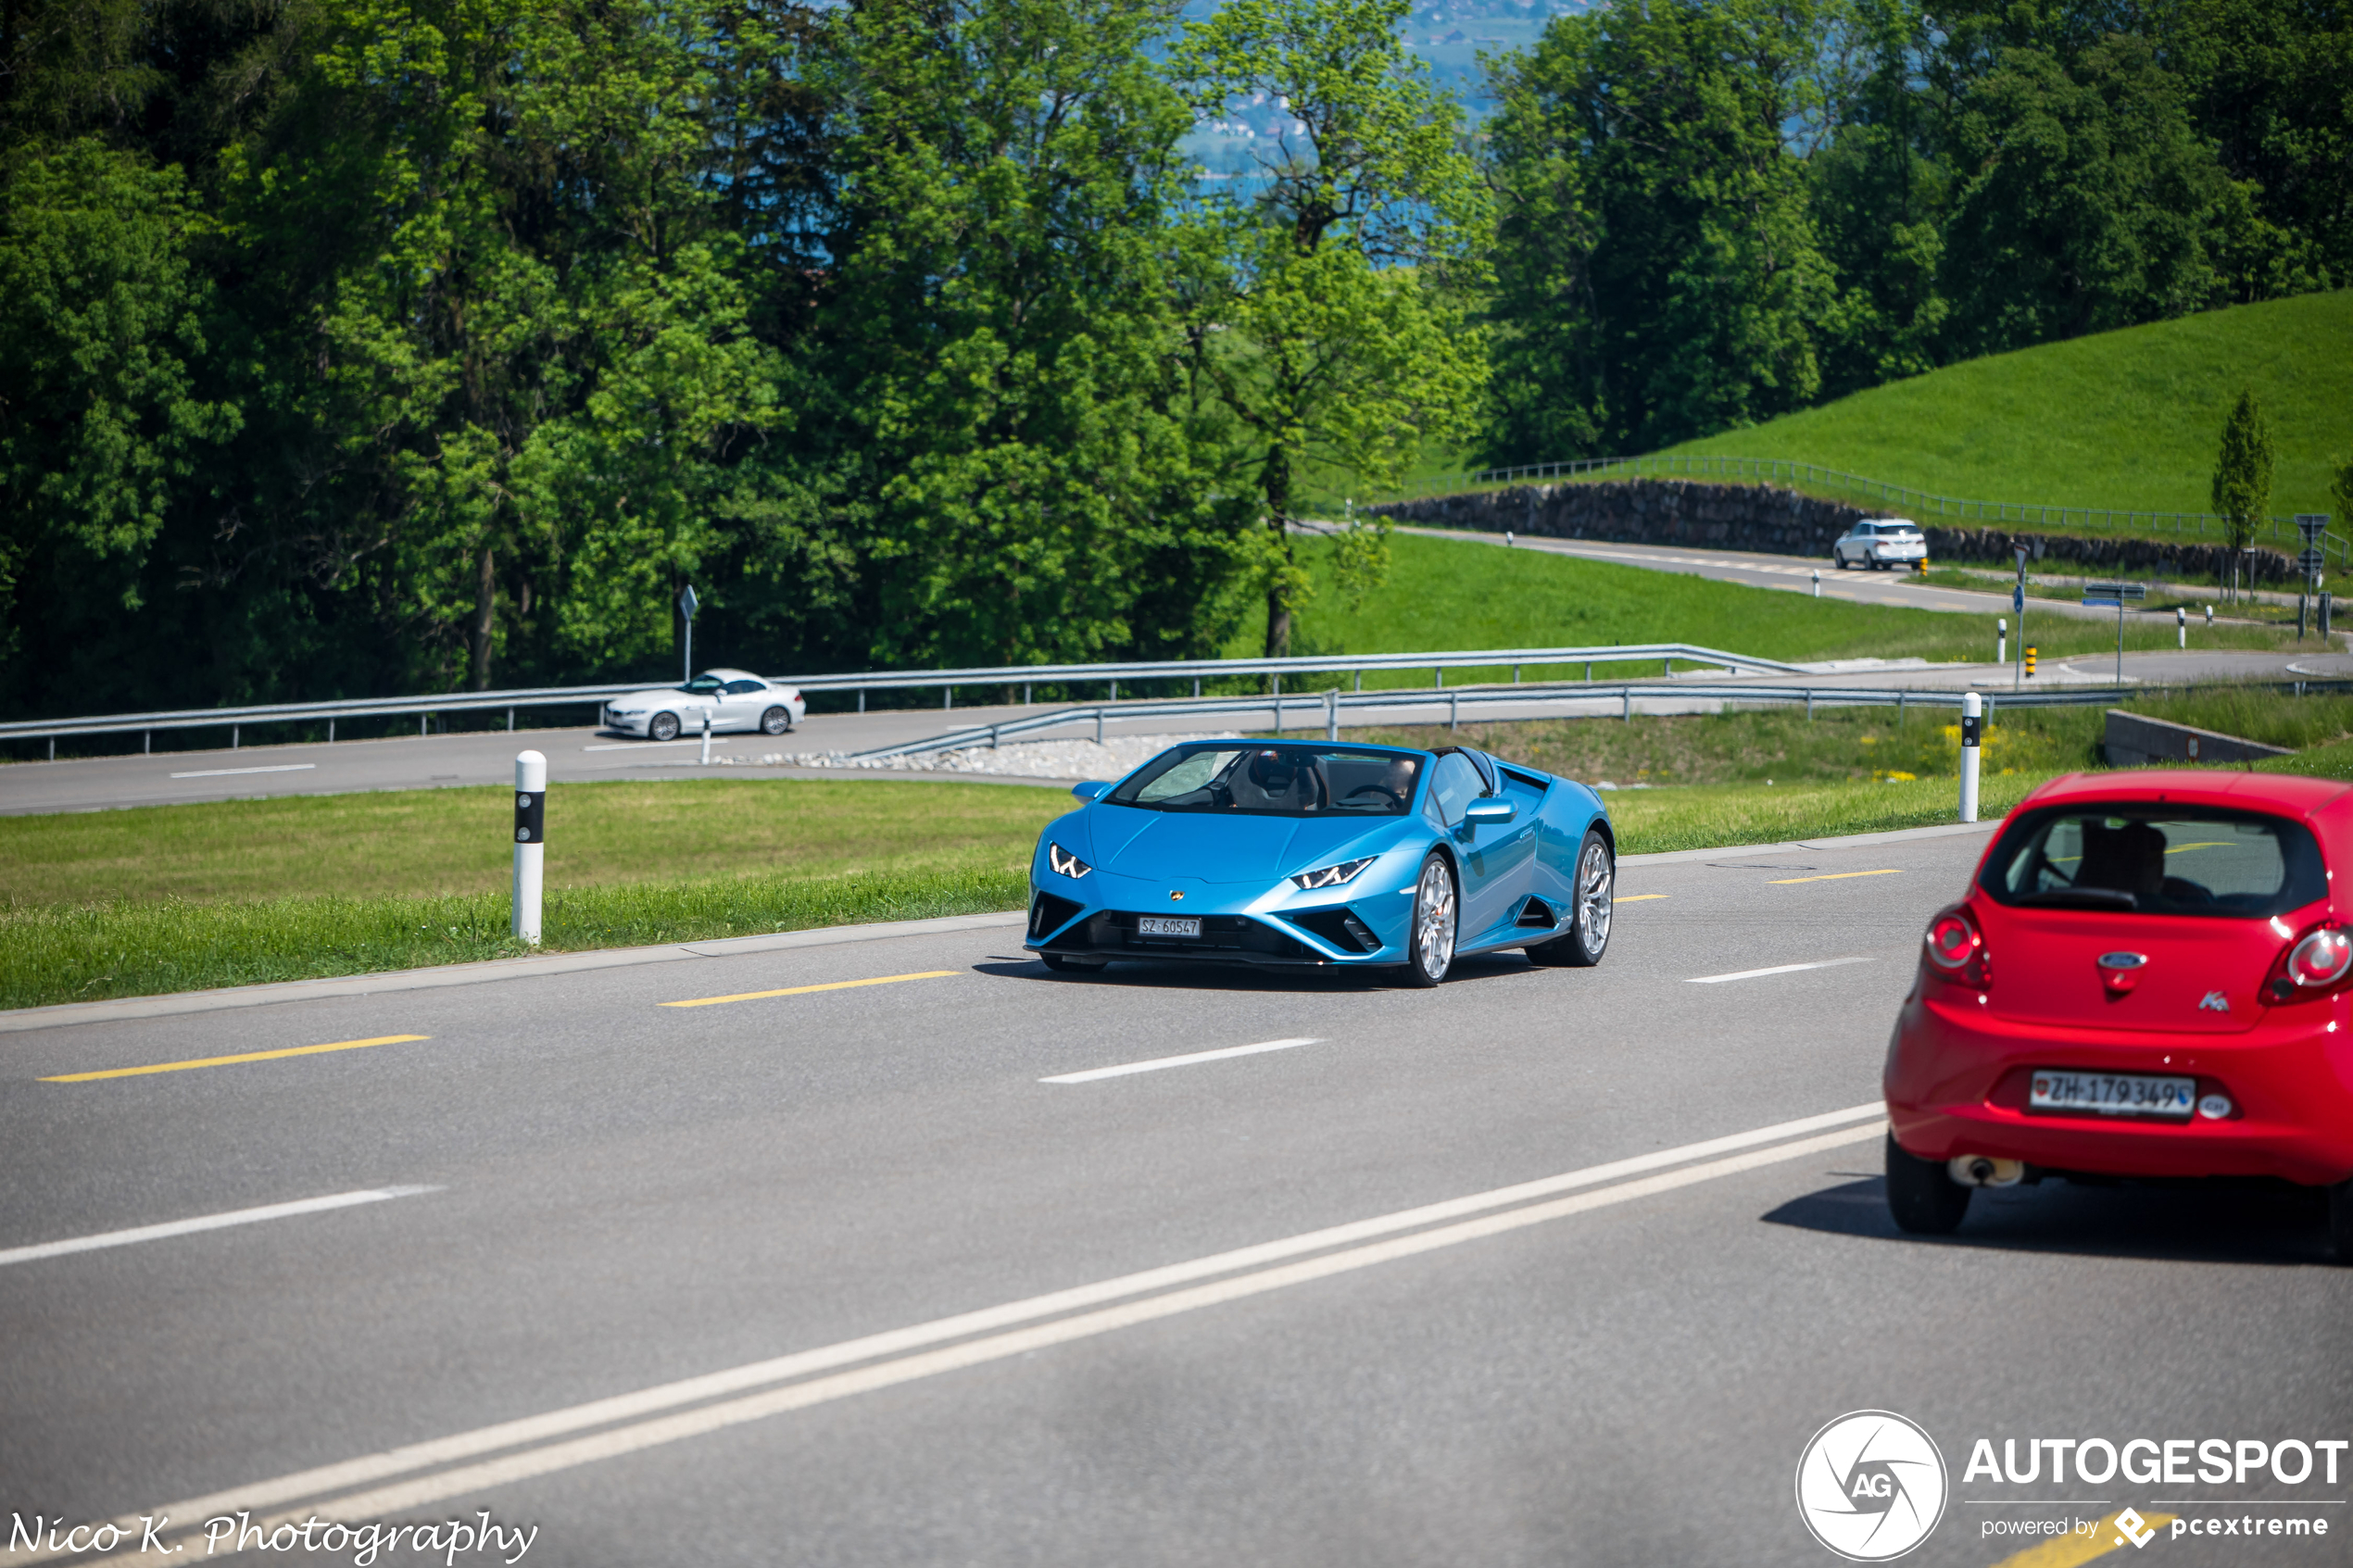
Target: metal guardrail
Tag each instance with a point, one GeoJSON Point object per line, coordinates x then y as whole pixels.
{"type": "Point", "coordinates": [1328, 706]}
{"type": "Point", "coordinates": [1008, 675]}
{"type": "Point", "coordinates": [1856, 485]}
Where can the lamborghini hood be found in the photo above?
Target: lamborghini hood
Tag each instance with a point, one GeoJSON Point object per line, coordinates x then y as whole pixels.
{"type": "Point", "coordinates": [1157, 844]}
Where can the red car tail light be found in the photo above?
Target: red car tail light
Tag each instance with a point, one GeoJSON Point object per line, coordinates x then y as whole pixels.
{"type": "Point", "coordinates": [1955, 948]}
{"type": "Point", "coordinates": [2318, 959]}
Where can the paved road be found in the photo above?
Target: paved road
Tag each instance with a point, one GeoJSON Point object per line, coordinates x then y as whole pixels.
{"type": "Point", "coordinates": [1618, 1367]}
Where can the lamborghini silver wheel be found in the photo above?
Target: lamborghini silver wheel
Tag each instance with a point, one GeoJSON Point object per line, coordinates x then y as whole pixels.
{"type": "Point", "coordinates": [1431, 944]}
{"type": "Point", "coordinates": [1596, 899]}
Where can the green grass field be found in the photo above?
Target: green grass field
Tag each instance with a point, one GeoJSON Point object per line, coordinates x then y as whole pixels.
{"type": "Point", "coordinates": [239, 893]}
{"type": "Point", "coordinates": [447, 842]}
{"type": "Point", "coordinates": [2127, 419]}
{"type": "Point", "coordinates": [1457, 594]}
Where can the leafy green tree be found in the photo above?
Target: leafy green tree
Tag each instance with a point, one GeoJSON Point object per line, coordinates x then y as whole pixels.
{"type": "Point", "coordinates": [2243, 476]}
{"type": "Point", "coordinates": [2093, 203]}
{"type": "Point", "coordinates": [1006, 456]}
{"type": "Point", "coordinates": [512, 346]}
{"type": "Point", "coordinates": [2266, 81]}
{"type": "Point", "coordinates": [1660, 272]}
{"type": "Point", "coordinates": [101, 421]}
{"type": "Point", "coordinates": [1327, 303]}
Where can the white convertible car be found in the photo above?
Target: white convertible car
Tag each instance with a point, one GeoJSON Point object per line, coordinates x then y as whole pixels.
{"type": "Point", "coordinates": [734, 700]}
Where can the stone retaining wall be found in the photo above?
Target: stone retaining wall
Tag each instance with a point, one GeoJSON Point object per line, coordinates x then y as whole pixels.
{"type": "Point", "coordinates": [1776, 522]}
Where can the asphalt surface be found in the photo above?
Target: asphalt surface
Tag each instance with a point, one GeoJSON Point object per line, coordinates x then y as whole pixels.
{"type": "Point", "coordinates": [625, 1195]}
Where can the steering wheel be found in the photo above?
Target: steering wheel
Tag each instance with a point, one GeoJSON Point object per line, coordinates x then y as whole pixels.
{"type": "Point", "coordinates": [1395, 799]}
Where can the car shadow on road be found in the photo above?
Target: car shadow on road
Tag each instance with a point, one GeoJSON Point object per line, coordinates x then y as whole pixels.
{"type": "Point", "coordinates": [2219, 1223]}
{"type": "Point", "coordinates": [1192, 975]}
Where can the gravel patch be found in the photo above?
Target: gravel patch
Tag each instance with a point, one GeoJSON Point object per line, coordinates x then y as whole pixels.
{"type": "Point", "coordinates": [1028, 760]}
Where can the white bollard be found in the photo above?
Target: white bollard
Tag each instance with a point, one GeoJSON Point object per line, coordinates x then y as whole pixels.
{"type": "Point", "coordinates": [2001, 641]}
{"type": "Point", "coordinates": [1332, 715]}
{"type": "Point", "coordinates": [1972, 720]}
{"type": "Point", "coordinates": [706, 737]}
{"type": "Point", "coordinates": [531, 842]}
{"type": "Point", "coordinates": [2180, 627]}
{"type": "Point", "coordinates": [1818, 585]}
{"type": "Point", "coordinates": [1507, 538]}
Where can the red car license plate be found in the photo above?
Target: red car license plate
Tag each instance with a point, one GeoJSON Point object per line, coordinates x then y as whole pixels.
{"type": "Point", "coordinates": [2112, 1093]}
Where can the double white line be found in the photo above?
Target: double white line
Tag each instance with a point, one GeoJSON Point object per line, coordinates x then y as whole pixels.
{"type": "Point", "coordinates": [372, 1487]}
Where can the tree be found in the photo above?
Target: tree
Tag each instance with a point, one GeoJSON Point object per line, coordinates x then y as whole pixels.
{"type": "Point", "coordinates": [2091, 201]}
{"type": "Point", "coordinates": [1327, 316]}
{"type": "Point", "coordinates": [2243, 476]}
{"type": "Point", "coordinates": [507, 346]}
{"type": "Point", "coordinates": [101, 421]}
{"type": "Point", "coordinates": [1660, 273]}
{"type": "Point", "coordinates": [1005, 456]}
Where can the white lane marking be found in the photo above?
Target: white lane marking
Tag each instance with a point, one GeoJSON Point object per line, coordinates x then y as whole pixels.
{"type": "Point", "coordinates": [224, 772]}
{"type": "Point", "coordinates": [716, 737]}
{"type": "Point", "coordinates": [204, 1223]}
{"type": "Point", "coordinates": [650, 1402]}
{"type": "Point", "coordinates": [1779, 969]}
{"type": "Point", "coordinates": [1156, 1063]}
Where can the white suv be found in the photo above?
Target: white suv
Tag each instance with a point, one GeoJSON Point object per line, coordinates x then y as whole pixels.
{"type": "Point", "coordinates": [1881, 542]}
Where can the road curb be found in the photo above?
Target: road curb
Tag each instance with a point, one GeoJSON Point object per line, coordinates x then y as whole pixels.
{"type": "Point", "coordinates": [123, 1008]}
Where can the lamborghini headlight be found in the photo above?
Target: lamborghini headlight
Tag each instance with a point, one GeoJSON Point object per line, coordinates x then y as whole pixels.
{"type": "Point", "coordinates": [1065, 863]}
{"type": "Point", "coordinates": [1332, 876]}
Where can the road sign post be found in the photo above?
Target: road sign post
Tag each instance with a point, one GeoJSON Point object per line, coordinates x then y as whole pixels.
{"type": "Point", "coordinates": [2312, 560]}
{"type": "Point", "coordinates": [686, 606]}
{"type": "Point", "coordinates": [2017, 607]}
{"type": "Point", "coordinates": [2118, 595]}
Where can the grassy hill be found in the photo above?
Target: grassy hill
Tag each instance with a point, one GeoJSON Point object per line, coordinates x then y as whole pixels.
{"type": "Point", "coordinates": [1455, 594]}
{"type": "Point", "coordinates": [2129, 419]}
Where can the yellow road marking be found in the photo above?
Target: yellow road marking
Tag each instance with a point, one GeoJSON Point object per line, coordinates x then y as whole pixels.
{"type": "Point", "coordinates": [1639, 897]}
{"type": "Point", "coordinates": [1831, 876]}
{"type": "Point", "coordinates": [227, 1060]}
{"type": "Point", "coordinates": [804, 990]}
{"type": "Point", "coordinates": [2066, 1551]}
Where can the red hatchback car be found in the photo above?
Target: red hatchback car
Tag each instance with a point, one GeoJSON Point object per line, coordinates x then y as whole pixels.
{"type": "Point", "coordinates": [2151, 976]}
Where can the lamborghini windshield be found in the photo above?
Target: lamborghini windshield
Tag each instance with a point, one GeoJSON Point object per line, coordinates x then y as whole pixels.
{"type": "Point", "coordinates": [1272, 781]}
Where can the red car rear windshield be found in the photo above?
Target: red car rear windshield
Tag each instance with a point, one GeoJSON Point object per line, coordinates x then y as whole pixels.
{"type": "Point", "coordinates": [2157, 859]}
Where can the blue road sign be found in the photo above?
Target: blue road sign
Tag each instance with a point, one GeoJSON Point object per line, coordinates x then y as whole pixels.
{"type": "Point", "coordinates": [2018, 599]}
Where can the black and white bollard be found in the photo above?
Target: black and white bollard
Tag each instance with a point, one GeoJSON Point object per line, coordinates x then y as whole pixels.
{"type": "Point", "coordinates": [2180, 627]}
{"type": "Point", "coordinates": [1972, 721]}
{"type": "Point", "coordinates": [531, 842]}
{"type": "Point", "coordinates": [706, 737]}
{"type": "Point", "coordinates": [2001, 641]}
{"type": "Point", "coordinates": [1332, 715]}
{"type": "Point", "coordinates": [1818, 585]}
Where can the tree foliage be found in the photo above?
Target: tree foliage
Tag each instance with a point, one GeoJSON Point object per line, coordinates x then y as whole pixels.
{"type": "Point", "coordinates": [1712, 211]}
{"type": "Point", "coordinates": [2243, 470]}
{"type": "Point", "coordinates": [1328, 323]}
{"type": "Point", "coordinates": [348, 346]}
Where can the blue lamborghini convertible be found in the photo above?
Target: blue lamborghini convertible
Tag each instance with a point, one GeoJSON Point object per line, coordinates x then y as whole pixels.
{"type": "Point", "coordinates": [1319, 854]}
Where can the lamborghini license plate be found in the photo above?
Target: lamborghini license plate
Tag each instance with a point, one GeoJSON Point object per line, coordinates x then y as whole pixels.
{"type": "Point", "coordinates": [1168, 925]}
